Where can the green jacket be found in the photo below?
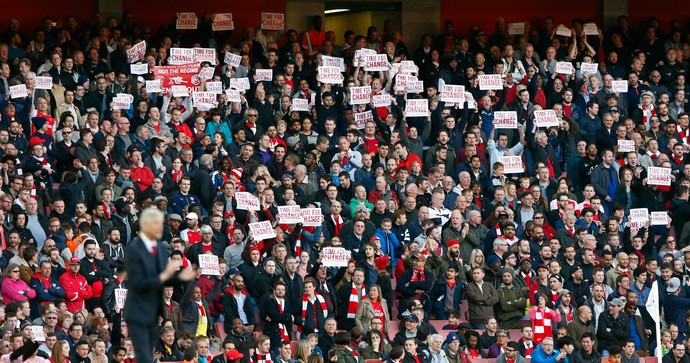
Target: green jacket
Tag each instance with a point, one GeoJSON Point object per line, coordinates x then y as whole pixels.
{"type": "Point", "coordinates": [511, 303]}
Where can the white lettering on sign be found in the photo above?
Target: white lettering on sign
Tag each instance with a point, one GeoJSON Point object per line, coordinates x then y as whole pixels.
{"type": "Point", "coordinates": [545, 118]}
{"type": "Point", "coordinates": [262, 230]}
{"type": "Point", "coordinates": [360, 95]}
{"type": "Point", "coordinates": [376, 62]}
{"type": "Point", "coordinates": [289, 214]}
{"type": "Point", "coordinates": [658, 176]}
{"type": "Point", "coordinates": [272, 21]}
{"type": "Point", "coordinates": [186, 21]}
{"type": "Point", "coordinates": [490, 82]}
{"type": "Point", "coordinates": [362, 118]}
{"type": "Point", "coordinates": [505, 120]}
{"type": "Point", "coordinates": [312, 217]}
{"type": "Point", "coordinates": [512, 164]}
{"type": "Point", "coordinates": [330, 75]}
{"type": "Point", "coordinates": [209, 264]}
{"type": "Point", "coordinates": [417, 108]}
{"type": "Point", "coordinates": [43, 82]}
{"type": "Point", "coordinates": [246, 201]}
{"type": "Point", "coordinates": [619, 86]}
{"type": "Point", "coordinates": [335, 257]}
{"type": "Point", "coordinates": [222, 22]}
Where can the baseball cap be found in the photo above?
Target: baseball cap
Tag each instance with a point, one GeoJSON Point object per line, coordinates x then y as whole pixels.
{"type": "Point", "coordinates": [175, 216]}
{"type": "Point", "coordinates": [619, 302]}
{"type": "Point", "coordinates": [673, 285]}
{"type": "Point", "coordinates": [615, 109]}
{"type": "Point", "coordinates": [233, 354]}
{"type": "Point", "coordinates": [503, 214]}
{"type": "Point", "coordinates": [74, 260]}
{"type": "Point", "coordinates": [229, 213]}
{"type": "Point", "coordinates": [412, 317]}
{"type": "Point", "coordinates": [191, 215]}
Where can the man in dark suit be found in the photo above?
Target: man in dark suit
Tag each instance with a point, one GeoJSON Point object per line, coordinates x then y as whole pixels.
{"type": "Point", "coordinates": [277, 315]}
{"type": "Point", "coordinates": [148, 260]}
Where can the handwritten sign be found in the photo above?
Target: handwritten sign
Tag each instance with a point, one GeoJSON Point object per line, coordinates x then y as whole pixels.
{"type": "Point", "coordinates": [619, 86]}
{"type": "Point", "coordinates": [154, 86]}
{"type": "Point", "coordinates": [383, 100]}
{"type": "Point", "coordinates": [19, 91]}
{"type": "Point", "coordinates": [490, 82]}
{"type": "Point", "coordinates": [563, 30]}
{"type": "Point", "coordinates": [232, 59]}
{"type": "Point", "coordinates": [516, 28]}
{"type": "Point", "coordinates": [263, 75]}
{"type": "Point", "coordinates": [272, 21]}
{"type": "Point", "coordinates": [312, 217]}
{"type": "Point", "coordinates": [415, 87]}
{"type": "Point", "coordinates": [222, 22]}
{"type": "Point", "coordinates": [417, 108]}
{"type": "Point", "coordinates": [545, 118]}
{"type": "Point", "coordinates": [186, 21]}
{"type": "Point", "coordinates": [233, 95]}
{"type": "Point", "coordinates": [362, 118]}
{"type": "Point", "coordinates": [39, 334]}
{"type": "Point", "coordinates": [246, 201]}
{"type": "Point", "coordinates": [360, 95]}
{"type": "Point", "coordinates": [214, 87]}
{"type": "Point", "coordinates": [209, 264]}
{"type": "Point", "coordinates": [625, 146]}
{"type": "Point", "coordinates": [659, 218]}
{"type": "Point", "coordinates": [330, 75]}
{"type": "Point", "coordinates": [564, 68]}
{"type": "Point", "coordinates": [300, 104]}
{"type": "Point", "coordinates": [137, 51]}
{"type": "Point", "coordinates": [658, 176]}
{"type": "Point", "coordinates": [181, 56]}
{"type": "Point", "coordinates": [589, 68]}
{"type": "Point", "coordinates": [241, 84]}
{"type": "Point", "coordinates": [590, 29]}
{"type": "Point", "coordinates": [639, 214]}
{"type": "Point", "coordinates": [376, 62]}
{"type": "Point", "coordinates": [505, 120]}
{"type": "Point", "coordinates": [262, 230]}
{"type": "Point", "coordinates": [512, 164]}
{"type": "Point", "coordinates": [453, 94]}
{"type": "Point", "coordinates": [408, 67]}
{"type": "Point", "coordinates": [335, 257]}
{"type": "Point", "coordinates": [43, 82]}
{"type": "Point", "coordinates": [289, 214]}
{"type": "Point", "coordinates": [139, 68]}
{"type": "Point", "coordinates": [329, 61]}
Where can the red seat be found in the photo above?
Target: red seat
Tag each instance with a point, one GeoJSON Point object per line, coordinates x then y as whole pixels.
{"type": "Point", "coordinates": [373, 361]}
{"type": "Point", "coordinates": [464, 310]}
{"type": "Point", "coordinates": [438, 324]}
{"type": "Point", "coordinates": [514, 334]}
{"type": "Point", "coordinates": [293, 346]}
{"type": "Point", "coordinates": [220, 330]}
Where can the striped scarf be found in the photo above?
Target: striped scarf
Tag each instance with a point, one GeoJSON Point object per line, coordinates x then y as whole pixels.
{"type": "Point", "coordinates": [281, 327]}
{"type": "Point", "coordinates": [647, 114]}
{"type": "Point", "coordinates": [355, 298]}
{"type": "Point", "coordinates": [305, 305]}
{"type": "Point", "coordinates": [262, 358]}
{"type": "Point", "coordinates": [542, 325]}
{"type": "Point", "coordinates": [683, 133]}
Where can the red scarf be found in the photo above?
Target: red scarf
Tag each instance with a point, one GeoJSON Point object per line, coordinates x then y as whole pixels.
{"type": "Point", "coordinates": [262, 358]}
{"type": "Point", "coordinates": [683, 133]}
{"type": "Point", "coordinates": [305, 305]}
{"type": "Point", "coordinates": [33, 191]}
{"type": "Point", "coordinates": [355, 298]}
{"type": "Point", "coordinates": [678, 160]}
{"type": "Point", "coordinates": [542, 325]}
{"type": "Point", "coordinates": [108, 209]}
{"type": "Point", "coordinates": [418, 275]}
{"type": "Point", "coordinates": [177, 175]}
{"type": "Point", "coordinates": [653, 155]}
{"type": "Point", "coordinates": [337, 223]}
{"type": "Point", "coordinates": [281, 327]}
{"type": "Point", "coordinates": [647, 114]}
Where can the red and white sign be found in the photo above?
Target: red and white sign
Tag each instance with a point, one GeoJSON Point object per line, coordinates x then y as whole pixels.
{"type": "Point", "coordinates": [330, 75]}
{"type": "Point", "coordinates": [545, 118]}
{"type": "Point", "coordinates": [564, 68]}
{"type": "Point", "coordinates": [137, 51]}
{"type": "Point", "coordinates": [590, 29]}
{"type": "Point", "coordinates": [186, 21]}
{"type": "Point", "coordinates": [333, 62]}
{"type": "Point", "coordinates": [264, 75]}
{"type": "Point", "coordinates": [185, 75]}
{"type": "Point", "coordinates": [204, 98]}
{"type": "Point", "coordinates": [272, 21]}
{"type": "Point", "coordinates": [589, 68]}
{"type": "Point", "coordinates": [402, 79]}
{"type": "Point", "coordinates": [289, 214]}
{"type": "Point", "coordinates": [181, 56]}
{"type": "Point", "coordinates": [154, 86]}
{"type": "Point", "coordinates": [619, 86]}
{"type": "Point", "coordinates": [179, 91]}
{"type": "Point", "coordinates": [658, 176]}
{"type": "Point", "coordinates": [246, 201]}
{"type": "Point", "coordinates": [214, 87]}
{"type": "Point", "coordinates": [209, 264]}
{"type": "Point", "coordinates": [43, 82]}
{"type": "Point", "coordinates": [453, 94]}
{"type": "Point", "coordinates": [408, 67]}
{"type": "Point", "coordinates": [383, 100]}
{"type": "Point", "coordinates": [241, 84]}
{"type": "Point", "coordinates": [360, 95]}
{"type": "Point", "coordinates": [516, 28]}
{"type": "Point", "coordinates": [312, 217]}
{"type": "Point", "coordinates": [639, 214]}
{"type": "Point", "coordinates": [19, 91]}
{"type": "Point", "coordinates": [39, 334]}
{"type": "Point", "coordinates": [232, 59]}
{"type": "Point", "coordinates": [121, 103]}
{"type": "Point", "coordinates": [505, 120]}
{"type": "Point", "coordinates": [300, 104]}
{"type": "Point", "coordinates": [206, 73]}
{"type": "Point", "coordinates": [129, 97]}
{"type": "Point", "coordinates": [262, 230]}
{"type": "Point", "coordinates": [222, 22]}
{"type": "Point", "coordinates": [659, 218]}
{"type": "Point", "coordinates": [626, 145]}
{"type": "Point", "coordinates": [490, 82]}
{"type": "Point", "coordinates": [362, 118]}
{"type": "Point", "coordinates": [334, 257]}
{"type": "Point", "coordinates": [414, 87]}
{"type": "Point", "coordinates": [512, 164]}
{"type": "Point", "coordinates": [358, 59]}
{"type": "Point", "coordinates": [376, 62]}
{"type": "Point", "coordinates": [417, 108]}
{"type": "Point", "coordinates": [233, 95]}
{"type": "Point", "coordinates": [120, 298]}
{"type": "Point", "coordinates": [204, 55]}
{"type": "Point", "coordinates": [142, 68]}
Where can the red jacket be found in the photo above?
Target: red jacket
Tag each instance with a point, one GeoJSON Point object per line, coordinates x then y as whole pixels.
{"type": "Point", "coordinates": [77, 290]}
{"type": "Point", "coordinates": [143, 176]}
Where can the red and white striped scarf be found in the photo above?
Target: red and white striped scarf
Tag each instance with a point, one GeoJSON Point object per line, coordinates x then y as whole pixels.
{"type": "Point", "coordinates": [418, 275]}
{"type": "Point", "coordinates": [647, 114]}
{"type": "Point", "coordinates": [281, 327]}
{"type": "Point", "coordinates": [305, 305]}
{"type": "Point", "coordinates": [354, 352]}
{"type": "Point", "coordinates": [683, 133]}
{"type": "Point", "coordinates": [355, 298]}
{"type": "Point", "coordinates": [262, 358]}
{"type": "Point", "coordinates": [542, 325]}
{"type": "Point", "coordinates": [33, 191]}
{"type": "Point", "coordinates": [108, 209]}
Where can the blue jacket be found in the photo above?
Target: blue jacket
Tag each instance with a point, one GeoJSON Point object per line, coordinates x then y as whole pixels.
{"type": "Point", "coordinates": [437, 296]}
{"type": "Point", "coordinates": [389, 242]}
{"type": "Point", "coordinates": [179, 202]}
{"type": "Point", "coordinates": [539, 356]}
{"type": "Point", "coordinates": [43, 293]}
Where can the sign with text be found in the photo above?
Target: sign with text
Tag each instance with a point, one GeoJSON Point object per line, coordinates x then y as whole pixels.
{"type": "Point", "coordinates": [209, 264]}
{"type": "Point", "coordinates": [39, 334]}
{"type": "Point", "coordinates": [19, 91]}
{"type": "Point", "coordinates": [383, 100]}
{"type": "Point", "coordinates": [121, 103]}
{"type": "Point", "coordinates": [414, 87]}
{"type": "Point", "coordinates": [204, 55]}
{"type": "Point", "coordinates": [360, 95]}
{"type": "Point", "coordinates": [402, 79]}
{"type": "Point", "coordinates": [590, 29]}
{"type": "Point", "coordinates": [222, 22]}
{"type": "Point", "coordinates": [358, 59]}
{"type": "Point", "coordinates": [181, 56]}
{"type": "Point", "coordinates": [659, 218]}
{"type": "Point", "coordinates": [516, 28]}
{"type": "Point", "coordinates": [512, 164]}
{"type": "Point", "coordinates": [564, 68]}
{"type": "Point", "coordinates": [120, 298]}
{"type": "Point", "coordinates": [241, 84]}
{"type": "Point", "coordinates": [137, 51]}
{"type": "Point", "coordinates": [376, 62]}
{"type": "Point", "coordinates": [453, 94]}
{"type": "Point", "coordinates": [272, 21]}
{"type": "Point", "coordinates": [408, 67]}
{"type": "Point", "coordinates": [490, 82]}
{"type": "Point", "coordinates": [204, 98]}
{"type": "Point", "coordinates": [262, 230]}
{"type": "Point", "coordinates": [43, 82]}
{"type": "Point", "coordinates": [300, 104]}
{"type": "Point", "coordinates": [289, 214]}
{"type": "Point", "coordinates": [179, 91]}
{"type": "Point", "coordinates": [233, 95]}
{"type": "Point", "coordinates": [263, 75]}
{"type": "Point", "coordinates": [186, 21]}
{"type": "Point", "coordinates": [619, 86]}
{"type": "Point", "coordinates": [127, 96]}
{"type": "Point", "coordinates": [589, 68]}
{"type": "Point", "coordinates": [246, 201]}
{"type": "Point", "coordinates": [563, 30]}
{"type": "Point", "coordinates": [312, 217]}
{"type": "Point", "coordinates": [639, 214]}
{"type": "Point", "coordinates": [626, 145]}
{"type": "Point", "coordinates": [505, 120]}
{"type": "Point", "coordinates": [232, 59]}
{"type": "Point", "coordinates": [362, 118]}
{"type": "Point", "coordinates": [417, 108]}
{"type": "Point", "coordinates": [154, 86]}
{"type": "Point", "coordinates": [545, 118]}
{"type": "Point", "coordinates": [329, 61]}
{"type": "Point", "coordinates": [658, 176]}
{"type": "Point", "coordinates": [335, 257]}
{"type": "Point", "coordinates": [139, 68]}
{"type": "Point", "coordinates": [214, 87]}
{"type": "Point", "coordinates": [330, 75]}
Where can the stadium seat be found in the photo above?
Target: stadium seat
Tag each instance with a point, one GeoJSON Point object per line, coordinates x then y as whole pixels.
{"type": "Point", "coordinates": [373, 361]}
{"type": "Point", "coordinates": [293, 346]}
{"type": "Point", "coordinates": [514, 334]}
{"type": "Point", "coordinates": [220, 330]}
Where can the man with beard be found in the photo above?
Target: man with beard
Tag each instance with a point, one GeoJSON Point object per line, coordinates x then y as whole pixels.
{"type": "Point", "coordinates": [97, 272]}
{"type": "Point", "coordinates": [100, 225]}
{"type": "Point", "coordinates": [278, 316]}
{"type": "Point", "coordinates": [439, 264]}
{"type": "Point", "coordinates": [239, 336]}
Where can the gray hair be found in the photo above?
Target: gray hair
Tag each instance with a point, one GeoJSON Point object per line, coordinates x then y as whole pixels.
{"type": "Point", "coordinates": [498, 242]}
{"type": "Point", "coordinates": [148, 214]}
{"type": "Point", "coordinates": [206, 229]}
{"type": "Point", "coordinates": [206, 160]}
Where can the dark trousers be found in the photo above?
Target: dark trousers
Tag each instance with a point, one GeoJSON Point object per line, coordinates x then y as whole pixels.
{"type": "Point", "coordinates": [144, 338]}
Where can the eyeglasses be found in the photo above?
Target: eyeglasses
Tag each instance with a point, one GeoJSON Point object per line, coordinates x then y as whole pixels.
{"type": "Point", "coordinates": [51, 318]}
{"type": "Point", "coordinates": [252, 115]}
{"type": "Point", "coordinates": [66, 132]}
{"type": "Point", "coordinates": [539, 217]}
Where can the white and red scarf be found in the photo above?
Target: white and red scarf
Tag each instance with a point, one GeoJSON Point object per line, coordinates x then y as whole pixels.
{"type": "Point", "coordinates": [262, 358]}
{"type": "Point", "coordinates": [418, 275]}
{"type": "Point", "coordinates": [542, 325]}
{"type": "Point", "coordinates": [33, 191]}
{"type": "Point", "coordinates": [281, 327]}
{"type": "Point", "coordinates": [647, 114]}
{"type": "Point", "coordinates": [108, 209]}
{"type": "Point", "coordinates": [683, 133]}
{"type": "Point", "coordinates": [305, 305]}
{"type": "Point", "coordinates": [355, 297]}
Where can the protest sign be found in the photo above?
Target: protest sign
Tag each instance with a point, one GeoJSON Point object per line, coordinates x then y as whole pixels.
{"type": "Point", "coordinates": [262, 230]}
{"type": "Point", "coordinates": [512, 164]}
{"type": "Point", "coordinates": [206, 73]}
{"type": "Point", "coordinates": [408, 67]}
{"type": "Point", "coordinates": [417, 108]}
{"type": "Point", "coordinates": [564, 68]}
{"type": "Point", "coordinates": [635, 226]}
{"type": "Point", "coordinates": [272, 21]}
{"type": "Point", "coordinates": [154, 86]}
{"type": "Point", "coordinates": [362, 118]}
{"type": "Point", "coordinates": [246, 201]}
{"type": "Point", "coordinates": [658, 176]}
{"type": "Point", "coordinates": [358, 59]}
{"type": "Point", "coordinates": [334, 257]}
{"type": "Point", "coordinates": [209, 264]}
{"type": "Point", "coordinates": [505, 120]}
{"type": "Point", "coordinates": [453, 94]}
{"type": "Point", "coordinates": [625, 146]}
{"type": "Point", "coordinates": [120, 298]}
{"type": "Point", "coordinates": [215, 87]}
{"type": "Point", "coordinates": [204, 98]}
{"type": "Point", "coordinates": [241, 84]}
{"type": "Point", "coordinates": [180, 56]}
{"type": "Point", "coordinates": [232, 59]}
{"type": "Point", "coordinates": [589, 68]}
{"type": "Point", "coordinates": [329, 61]}
{"type": "Point", "coordinates": [289, 214]}
{"type": "Point", "coordinates": [139, 68]}
{"type": "Point", "coordinates": [222, 22]}
{"type": "Point", "coordinates": [471, 103]}
{"type": "Point", "coordinates": [19, 91]}
{"type": "Point", "coordinates": [639, 214]}
{"type": "Point", "coordinates": [129, 97]}
{"type": "Point", "coordinates": [402, 79]}
{"type": "Point", "coordinates": [330, 75]}
{"type": "Point", "coordinates": [121, 103]}
{"type": "Point", "coordinates": [516, 28]}
{"type": "Point", "coordinates": [39, 334]}
{"type": "Point", "coordinates": [376, 62]}
{"type": "Point", "coordinates": [659, 218]}
{"type": "Point", "coordinates": [263, 75]}
{"type": "Point", "coordinates": [383, 100]}
{"type": "Point", "coordinates": [563, 30]}
{"type": "Point", "coordinates": [204, 55]}
{"type": "Point", "coordinates": [179, 91]}
{"type": "Point", "coordinates": [43, 82]}
{"type": "Point", "coordinates": [360, 95]}
{"type": "Point", "coordinates": [590, 29]}
{"type": "Point", "coordinates": [490, 82]}
{"type": "Point", "coordinates": [186, 21]}
{"type": "Point", "coordinates": [619, 86]}
{"type": "Point", "coordinates": [300, 104]}
{"type": "Point", "coordinates": [233, 95]}
{"type": "Point", "coordinates": [137, 51]}
{"type": "Point", "coordinates": [312, 217]}
{"type": "Point", "coordinates": [545, 118]}
{"type": "Point", "coordinates": [414, 87]}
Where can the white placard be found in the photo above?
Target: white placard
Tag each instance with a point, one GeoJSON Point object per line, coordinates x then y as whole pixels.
{"type": "Point", "coordinates": [272, 21]}
{"type": "Point", "coordinates": [659, 218]}
{"type": "Point", "coordinates": [204, 98]}
{"type": "Point", "coordinates": [121, 103]}
{"type": "Point", "coordinates": [206, 73]}
{"type": "Point", "coordinates": [564, 68]}
{"type": "Point", "coordinates": [137, 51]}
{"type": "Point", "coordinates": [626, 145]}
{"type": "Point", "coordinates": [490, 82]}
{"type": "Point", "coordinates": [300, 104]}
{"type": "Point", "coordinates": [43, 82]}
{"type": "Point", "coordinates": [129, 97]}
{"type": "Point", "coordinates": [334, 257]}
{"type": "Point", "coordinates": [590, 29]}
{"type": "Point", "coordinates": [142, 68]}
{"type": "Point", "coordinates": [233, 95]}
{"type": "Point", "coordinates": [209, 264]}
{"type": "Point", "coordinates": [408, 67]}
{"type": "Point", "coordinates": [232, 59]}
{"type": "Point", "coordinates": [362, 118]}
{"type": "Point", "coordinates": [205, 55]}
{"type": "Point", "coordinates": [186, 21]}
{"type": "Point", "coordinates": [19, 91]}
{"type": "Point", "coordinates": [181, 56]}
{"type": "Point", "coordinates": [222, 22]}
{"type": "Point", "coordinates": [215, 87]}
{"type": "Point", "coordinates": [360, 95]}
{"type": "Point", "coordinates": [289, 214]}
{"type": "Point", "coordinates": [417, 108]}
{"type": "Point", "coordinates": [453, 94]}
{"type": "Point", "coordinates": [329, 61]}
{"type": "Point", "coordinates": [590, 68]}
{"type": "Point", "coordinates": [402, 79]}
{"type": "Point", "coordinates": [262, 230]}
{"type": "Point", "coordinates": [564, 31]}
{"type": "Point", "coordinates": [470, 101]}
{"type": "Point", "coordinates": [619, 86]}
{"type": "Point", "coordinates": [154, 86]}
{"type": "Point", "coordinates": [376, 62]}
{"type": "Point", "coordinates": [414, 87]}
{"type": "Point", "coordinates": [658, 176]}
{"type": "Point", "coordinates": [383, 100]}
{"type": "Point", "coordinates": [312, 217]}
{"type": "Point", "coordinates": [179, 91]}
{"type": "Point", "coordinates": [358, 59]}
{"type": "Point", "coordinates": [516, 28]}
{"type": "Point", "coordinates": [120, 298]}
{"type": "Point", "coordinates": [39, 334]}
{"type": "Point", "coordinates": [263, 75]}
{"type": "Point", "coordinates": [505, 120]}
{"type": "Point", "coordinates": [639, 214]}
{"type": "Point", "coordinates": [330, 75]}
{"type": "Point", "coordinates": [393, 70]}
{"type": "Point", "coordinates": [545, 118]}
{"type": "Point", "coordinates": [241, 84]}
{"type": "Point", "coordinates": [635, 226]}
{"type": "Point", "coordinates": [512, 164]}
{"type": "Point", "coordinates": [246, 201]}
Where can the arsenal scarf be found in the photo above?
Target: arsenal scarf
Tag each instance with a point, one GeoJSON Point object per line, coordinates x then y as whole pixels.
{"type": "Point", "coordinates": [281, 327]}
{"type": "Point", "coordinates": [177, 175]}
{"type": "Point", "coordinates": [647, 114]}
{"type": "Point", "coordinates": [683, 133]}
{"type": "Point", "coordinates": [33, 192]}
{"type": "Point", "coordinates": [542, 325]}
{"type": "Point", "coordinates": [262, 358]}
{"type": "Point", "coordinates": [355, 297]}
{"type": "Point", "coordinates": [418, 275]}
{"type": "Point", "coordinates": [305, 305]}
